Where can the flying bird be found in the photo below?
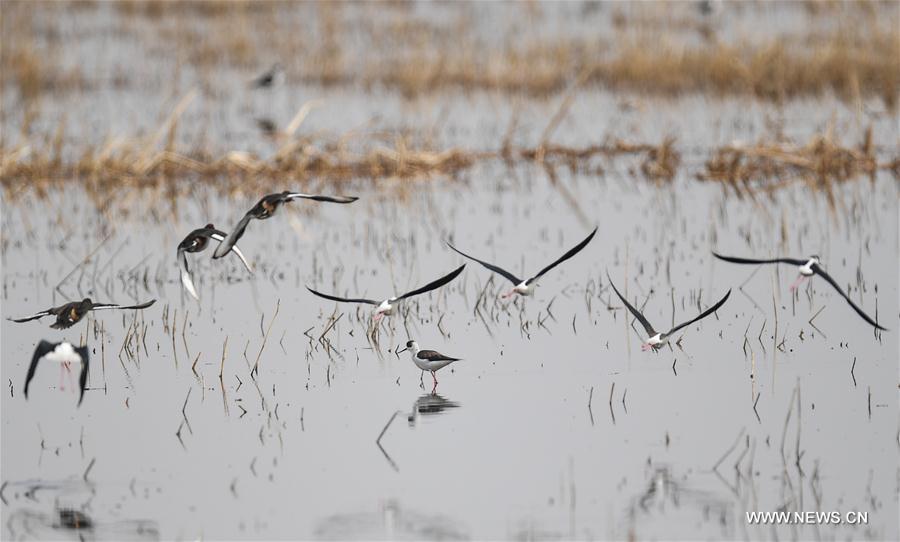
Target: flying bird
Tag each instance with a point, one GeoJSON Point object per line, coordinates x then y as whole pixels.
{"type": "Point", "coordinates": [386, 307]}
{"type": "Point", "coordinates": [197, 241]}
{"type": "Point", "coordinates": [806, 269]}
{"type": "Point", "coordinates": [71, 313]}
{"type": "Point", "coordinates": [264, 209]}
{"type": "Point", "coordinates": [65, 354]}
{"type": "Point", "coordinates": [655, 338]}
{"type": "Point", "coordinates": [526, 287]}
{"type": "Point", "coordinates": [428, 360]}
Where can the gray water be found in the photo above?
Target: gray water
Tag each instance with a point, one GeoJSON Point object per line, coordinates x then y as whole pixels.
{"type": "Point", "coordinates": [554, 426]}
{"type": "Point", "coordinates": [521, 454]}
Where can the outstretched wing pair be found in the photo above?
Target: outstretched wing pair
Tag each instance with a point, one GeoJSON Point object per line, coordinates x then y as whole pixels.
{"type": "Point", "coordinates": [60, 352]}
{"type": "Point", "coordinates": [648, 327]}
{"type": "Point", "coordinates": [514, 279]}
{"type": "Point", "coordinates": [817, 269]}
{"type": "Point", "coordinates": [238, 231]}
{"type": "Point", "coordinates": [424, 289]}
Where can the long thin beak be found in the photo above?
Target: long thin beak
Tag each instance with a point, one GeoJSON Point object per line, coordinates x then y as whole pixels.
{"type": "Point", "coordinates": [401, 351]}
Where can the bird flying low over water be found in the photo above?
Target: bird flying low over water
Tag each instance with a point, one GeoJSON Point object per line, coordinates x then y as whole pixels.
{"type": "Point", "coordinates": [197, 241]}
{"type": "Point", "coordinates": [806, 269]}
{"type": "Point", "coordinates": [656, 339]}
{"type": "Point", "coordinates": [526, 287]}
{"type": "Point", "coordinates": [65, 354]}
{"type": "Point", "coordinates": [386, 307]}
{"type": "Point", "coordinates": [264, 209]}
{"type": "Point", "coordinates": [428, 360]}
{"type": "Point", "coordinates": [71, 313]}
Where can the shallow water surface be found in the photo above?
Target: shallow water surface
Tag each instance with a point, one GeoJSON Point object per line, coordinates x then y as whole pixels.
{"type": "Point", "coordinates": [554, 425]}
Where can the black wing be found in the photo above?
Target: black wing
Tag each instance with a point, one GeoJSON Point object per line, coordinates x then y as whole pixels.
{"type": "Point", "coordinates": [330, 199]}
{"type": "Point", "coordinates": [434, 285]}
{"type": "Point", "coordinates": [575, 250]}
{"type": "Point", "coordinates": [343, 299]}
{"type": "Point", "coordinates": [499, 270]}
{"type": "Point", "coordinates": [431, 355]}
{"type": "Point", "coordinates": [732, 259]}
{"type": "Point", "coordinates": [83, 352]}
{"type": "Point", "coordinates": [236, 233]}
{"type": "Point", "coordinates": [43, 348]}
{"type": "Point", "coordinates": [703, 314]}
{"type": "Point", "coordinates": [821, 272]}
{"type": "Point", "coordinates": [637, 314]}
{"type": "Point", "coordinates": [30, 318]}
{"type": "Point", "coordinates": [101, 306]}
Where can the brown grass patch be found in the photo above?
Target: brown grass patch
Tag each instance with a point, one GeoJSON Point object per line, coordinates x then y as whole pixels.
{"type": "Point", "coordinates": [651, 51]}
{"type": "Point", "coordinates": [820, 164]}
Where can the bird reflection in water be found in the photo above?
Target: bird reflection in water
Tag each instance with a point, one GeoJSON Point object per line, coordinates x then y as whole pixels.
{"type": "Point", "coordinates": [429, 404]}
{"type": "Point", "coordinates": [54, 510]}
{"type": "Point", "coordinates": [390, 520]}
{"type": "Point", "coordinates": [668, 498]}
{"type": "Point", "coordinates": [70, 518]}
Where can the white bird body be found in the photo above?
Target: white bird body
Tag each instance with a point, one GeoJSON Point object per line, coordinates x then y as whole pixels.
{"type": "Point", "coordinates": [523, 288]}
{"type": "Point", "coordinates": [426, 364]}
{"type": "Point", "coordinates": [386, 308]}
{"type": "Point", "coordinates": [64, 353]}
{"type": "Point", "coordinates": [806, 270]}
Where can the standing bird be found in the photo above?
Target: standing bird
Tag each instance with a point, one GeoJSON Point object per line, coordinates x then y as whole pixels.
{"type": "Point", "coordinates": [264, 209]}
{"type": "Point", "coordinates": [197, 241]}
{"type": "Point", "coordinates": [655, 338]}
{"type": "Point", "coordinates": [428, 360]}
{"type": "Point", "coordinates": [71, 313]}
{"type": "Point", "coordinates": [65, 354]}
{"type": "Point", "coordinates": [386, 307]}
{"type": "Point", "coordinates": [806, 269]}
{"type": "Point", "coordinates": [526, 287]}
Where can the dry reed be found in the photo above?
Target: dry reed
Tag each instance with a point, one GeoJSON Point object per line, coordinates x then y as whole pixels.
{"type": "Point", "coordinates": [820, 164]}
